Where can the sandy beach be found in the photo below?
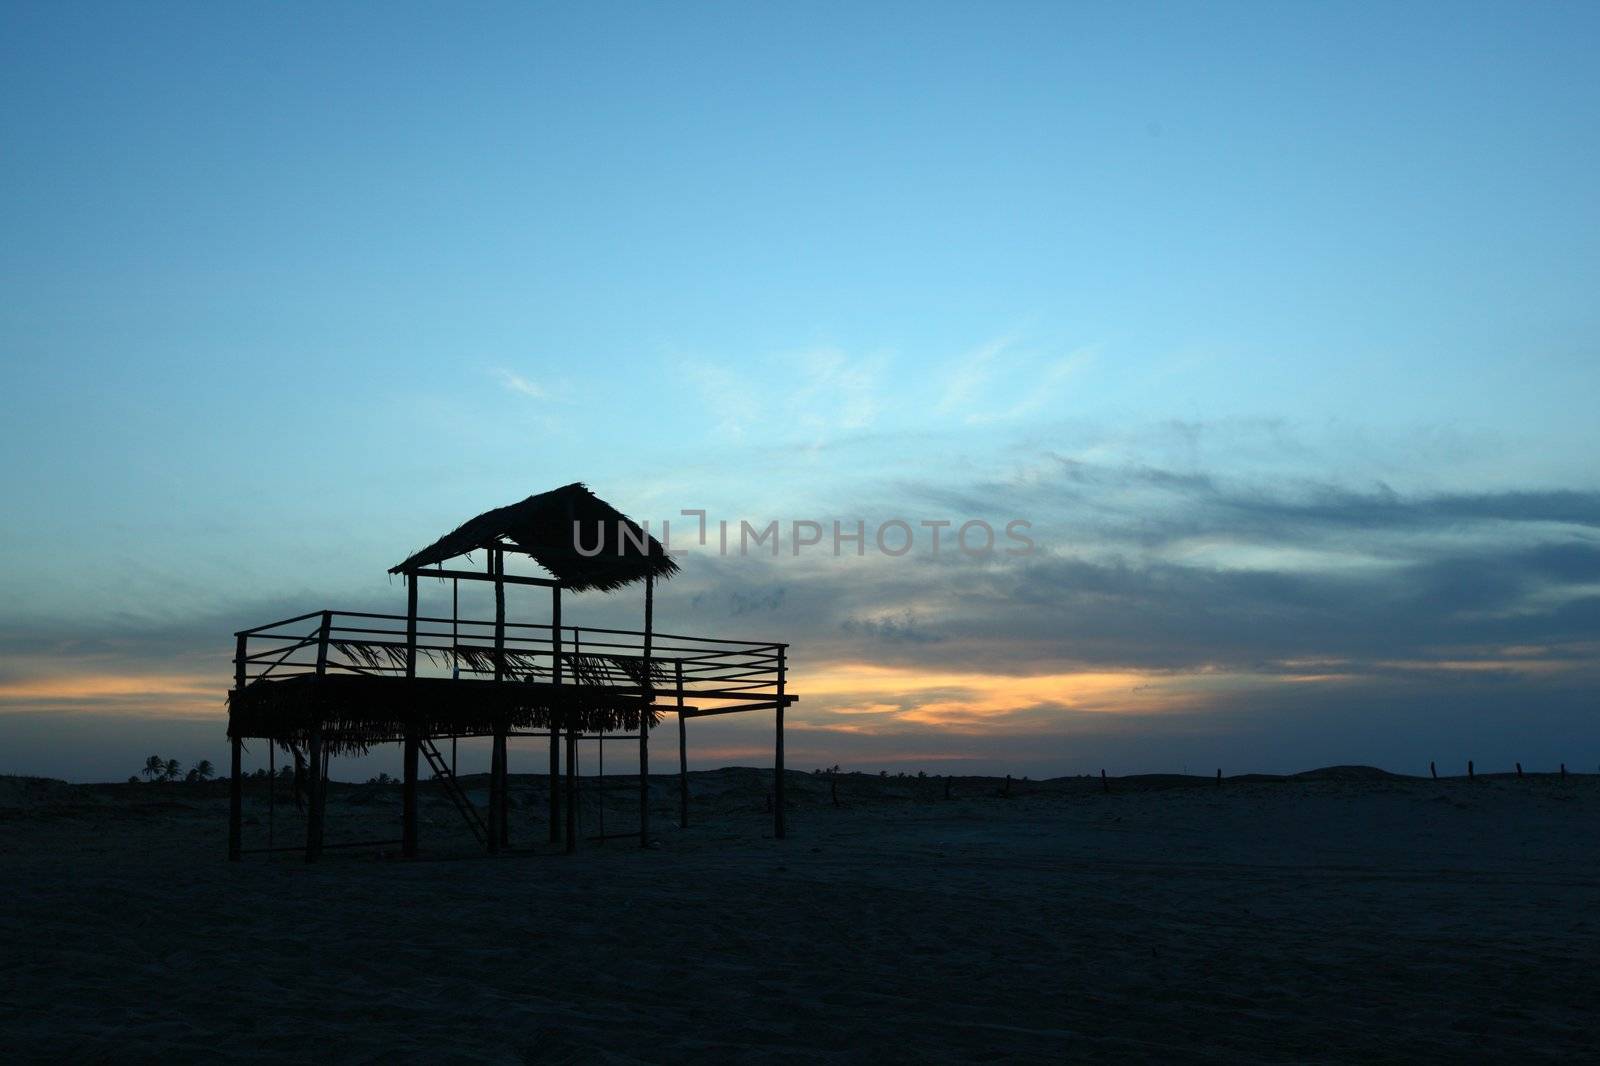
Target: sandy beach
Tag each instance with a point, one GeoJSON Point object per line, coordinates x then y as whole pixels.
{"type": "Point", "coordinates": [1339, 917]}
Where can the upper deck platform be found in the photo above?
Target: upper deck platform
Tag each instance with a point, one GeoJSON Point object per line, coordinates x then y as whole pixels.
{"type": "Point", "coordinates": [374, 676]}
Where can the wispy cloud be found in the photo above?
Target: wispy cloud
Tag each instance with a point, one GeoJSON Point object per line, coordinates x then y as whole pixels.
{"type": "Point", "coordinates": [969, 375]}
{"type": "Point", "coordinates": [517, 383]}
{"type": "Point", "coordinates": [555, 392]}
{"type": "Point", "coordinates": [1004, 381]}
{"type": "Point", "coordinates": [731, 401]}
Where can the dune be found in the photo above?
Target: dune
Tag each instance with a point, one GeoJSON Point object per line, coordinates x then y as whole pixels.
{"type": "Point", "coordinates": [1339, 915]}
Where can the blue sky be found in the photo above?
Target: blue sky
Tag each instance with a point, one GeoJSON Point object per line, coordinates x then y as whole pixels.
{"type": "Point", "coordinates": [1257, 311]}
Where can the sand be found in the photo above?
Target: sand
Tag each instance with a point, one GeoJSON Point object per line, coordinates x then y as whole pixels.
{"type": "Point", "coordinates": [1355, 917]}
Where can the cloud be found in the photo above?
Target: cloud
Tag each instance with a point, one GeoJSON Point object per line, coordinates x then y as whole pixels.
{"type": "Point", "coordinates": [825, 393]}
{"type": "Point", "coordinates": [515, 382]}
{"type": "Point", "coordinates": [732, 403]}
{"type": "Point", "coordinates": [969, 375]}
{"type": "Point", "coordinates": [1002, 382]}
{"type": "Point", "coordinates": [1166, 604]}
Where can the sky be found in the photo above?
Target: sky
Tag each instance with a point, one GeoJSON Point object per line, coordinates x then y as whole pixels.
{"type": "Point", "coordinates": [1274, 323]}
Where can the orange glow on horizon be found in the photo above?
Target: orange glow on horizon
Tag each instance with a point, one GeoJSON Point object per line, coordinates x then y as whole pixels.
{"type": "Point", "coordinates": [191, 695]}
{"type": "Point", "coordinates": [871, 693]}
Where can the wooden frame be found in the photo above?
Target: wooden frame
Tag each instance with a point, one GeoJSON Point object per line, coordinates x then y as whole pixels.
{"type": "Point", "coordinates": [735, 676]}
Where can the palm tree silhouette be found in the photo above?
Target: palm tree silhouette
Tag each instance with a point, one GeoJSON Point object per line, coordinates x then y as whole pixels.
{"type": "Point", "coordinates": [203, 770]}
{"type": "Point", "coordinates": [154, 767]}
{"type": "Point", "coordinates": [171, 770]}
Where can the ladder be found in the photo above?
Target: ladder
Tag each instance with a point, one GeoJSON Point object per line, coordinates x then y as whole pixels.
{"type": "Point", "coordinates": [453, 789]}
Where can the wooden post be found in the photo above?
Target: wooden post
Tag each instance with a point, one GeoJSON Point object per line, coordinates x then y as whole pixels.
{"type": "Point", "coordinates": [492, 824]}
{"type": "Point", "coordinates": [505, 788]}
{"type": "Point", "coordinates": [500, 791]}
{"type": "Point", "coordinates": [413, 742]}
{"type": "Point", "coordinates": [1105, 784]}
{"type": "Point", "coordinates": [496, 812]}
{"type": "Point", "coordinates": [1469, 768]}
{"type": "Point", "coordinates": [1007, 790]}
{"type": "Point", "coordinates": [683, 751]}
{"type": "Point", "coordinates": [314, 809]}
{"type": "Point", "coordinates": [236, 803]}
{"type": "Point", "coordinates": [646, 698]}
{"type": "Point", "coordinates": [1519, 769]}
{"type": "Point", "coordinates": [1563, 769]}
{"type": "Point", "coordinates": [779, 829]}
{"type": "Point", "coordinates": [572, 790]}
{"type": "Point", "coordinates": [317, 811]}
{"type": "Point", "coordinates": [1219, 777]}
{"type": "Point", "coordinates": [236, 776]}
{"type": "Point", "coordinates": [1433, 770]}
{"type": "Point", "coordinates": [555, 714]}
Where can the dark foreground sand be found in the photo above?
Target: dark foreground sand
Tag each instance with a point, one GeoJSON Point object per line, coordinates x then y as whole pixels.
{"type": "Point", "coordinates": [1310, 920]}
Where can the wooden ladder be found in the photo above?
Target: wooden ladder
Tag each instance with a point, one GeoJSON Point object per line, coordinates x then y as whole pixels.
{"type": "Point", "coordinates": [452, 788]}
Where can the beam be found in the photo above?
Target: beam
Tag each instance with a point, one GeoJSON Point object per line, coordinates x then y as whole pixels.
{"type": "Point", "coordinates": [473, 575]}
{"type": "Point", "coordinates": [707, 712]}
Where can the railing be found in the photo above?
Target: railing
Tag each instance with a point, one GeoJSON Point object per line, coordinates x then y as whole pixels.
{"type": "Point", "coordinates": [385, 645]}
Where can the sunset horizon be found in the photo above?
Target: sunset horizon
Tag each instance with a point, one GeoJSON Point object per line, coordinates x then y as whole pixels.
{"type": "Point", "coordinates": [704, 532]}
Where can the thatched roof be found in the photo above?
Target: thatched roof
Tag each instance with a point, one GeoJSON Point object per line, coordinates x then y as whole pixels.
{"type": "Point", "coordinates": [543, 526]}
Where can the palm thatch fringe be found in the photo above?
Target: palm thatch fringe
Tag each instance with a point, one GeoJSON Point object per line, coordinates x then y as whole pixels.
{"type": "Point", "coordinates": [356, 712]}
{"type": "Point", "coordinates": [580, 668]}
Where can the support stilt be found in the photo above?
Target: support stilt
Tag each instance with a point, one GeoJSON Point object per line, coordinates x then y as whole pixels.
{"type": "Point", "coordinates": [683, 751]}
{"type": "Point", "coordinates": [555, 727]}
{"type": "Point", "coordinates": [236, 774]}
{"type": "Point", "coordinates": [646, 699]}
{"type": "Point", "coordinates": [499, 799]}
{"type": "Point", "coordinates": [236, 803]}
{"type": "Point", "coordinates": [408, 789]}
{"type": "Point", "coordinates": [778, 826]}
{"type": "Point", "coordinates": [318, 793]}
{"type": "Point", "coordinates": [408, 798]}
{"type": "Point", "coordinates": [572, 790]}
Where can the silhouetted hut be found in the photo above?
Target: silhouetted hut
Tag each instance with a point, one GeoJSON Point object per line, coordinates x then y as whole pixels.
{"type": "Point", "coordinates": [357, 680]}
